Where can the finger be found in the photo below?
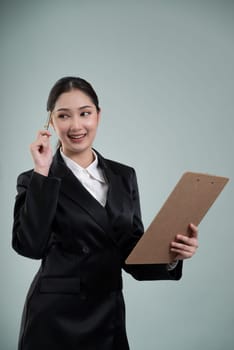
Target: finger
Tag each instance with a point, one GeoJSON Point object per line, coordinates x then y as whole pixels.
{"type": "Point", "coordinates": [42, 133]}
{"type": "Point", "coordinates": [186, 240]}
{"type": "Point", "coordinates": [182, 247]}
{"type": "Point", "coordinates": [41, 141]}
{"type": "Point", "coordinates": [43, 137]}
{"type": "Point", "coordinates": [184, 254]}
{"type": "Point", "coordinates": [44, 141]}
{"type": "Point", "coordinates": [193, 230]}
{"type": "Point", "coordinates": [40, 145]}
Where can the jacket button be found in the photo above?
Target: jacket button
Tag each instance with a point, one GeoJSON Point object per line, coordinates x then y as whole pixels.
{"type": "Point", "coordinates": [85, 250]}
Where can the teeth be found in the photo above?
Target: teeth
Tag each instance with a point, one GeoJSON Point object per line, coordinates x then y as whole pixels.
{"type": "Point", "coordinates": [76, 137]}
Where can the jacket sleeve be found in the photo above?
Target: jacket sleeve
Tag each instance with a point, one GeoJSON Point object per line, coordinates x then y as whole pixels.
{"type": "Point", "coordinates": [146, 271]}
{"type": "Point", "coordinates": [34, 210]}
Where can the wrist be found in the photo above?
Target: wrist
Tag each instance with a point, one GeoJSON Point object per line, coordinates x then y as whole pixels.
{"type": "Point", "coordinates": [41, 171]}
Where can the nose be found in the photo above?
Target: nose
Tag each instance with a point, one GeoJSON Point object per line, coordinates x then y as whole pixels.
{"type": "Point", "coordinates": [76, 123]}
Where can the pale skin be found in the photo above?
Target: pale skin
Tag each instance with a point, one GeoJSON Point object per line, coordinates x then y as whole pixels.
{"type": "Point", "coordinates": [75, 120]}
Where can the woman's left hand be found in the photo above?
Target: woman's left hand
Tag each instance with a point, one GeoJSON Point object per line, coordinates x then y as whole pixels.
{"type": "Point", "coordinates": [185, 246]}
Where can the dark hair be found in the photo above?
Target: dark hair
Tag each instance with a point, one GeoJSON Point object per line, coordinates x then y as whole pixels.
{"type": "Point", "coordinates": [67, 84]}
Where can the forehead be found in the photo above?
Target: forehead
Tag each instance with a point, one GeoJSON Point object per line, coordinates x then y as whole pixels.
{"type": "Point", "coordinates": [73, 99]}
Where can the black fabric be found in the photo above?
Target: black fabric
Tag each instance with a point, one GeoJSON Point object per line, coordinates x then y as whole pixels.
{"type": "Point", "coordinates": [75, 300]}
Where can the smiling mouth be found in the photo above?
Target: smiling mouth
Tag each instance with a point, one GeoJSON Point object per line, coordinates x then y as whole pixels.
{"type": "Point", "coordinates": [77, 137]}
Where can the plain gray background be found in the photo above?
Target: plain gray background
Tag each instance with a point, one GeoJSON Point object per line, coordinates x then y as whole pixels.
{"type": "Point", "coordinates": [164, 74]}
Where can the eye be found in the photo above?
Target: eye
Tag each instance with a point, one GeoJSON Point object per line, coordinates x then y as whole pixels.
{"type": "Point", "coordinates": [85, 114]}
{"type": "Point", "coordinates": [63, 116]}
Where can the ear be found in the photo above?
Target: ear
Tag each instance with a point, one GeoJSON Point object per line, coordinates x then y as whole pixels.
{"type": "Point", "coordinates": [51, 123]}
{"type": "Point", "coordinates": [99, 113]}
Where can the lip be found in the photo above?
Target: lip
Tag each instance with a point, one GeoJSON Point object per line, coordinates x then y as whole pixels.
{"type": "Point", "coordinates": [76, 138]}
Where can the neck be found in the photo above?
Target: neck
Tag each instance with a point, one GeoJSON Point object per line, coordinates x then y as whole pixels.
{"type": "Point", "coordinates": [83, 159]}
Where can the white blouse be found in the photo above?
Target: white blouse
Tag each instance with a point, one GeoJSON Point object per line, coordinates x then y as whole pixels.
{"type": "Point", "coordinates": [92, 177]}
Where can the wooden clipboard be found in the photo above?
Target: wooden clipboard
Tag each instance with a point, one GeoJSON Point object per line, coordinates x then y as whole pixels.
{"type": "Point", "coordinates": [188, 202]}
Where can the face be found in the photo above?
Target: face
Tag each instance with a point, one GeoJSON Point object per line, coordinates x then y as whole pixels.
{"type": "Point", "coordinates": [75, 120]}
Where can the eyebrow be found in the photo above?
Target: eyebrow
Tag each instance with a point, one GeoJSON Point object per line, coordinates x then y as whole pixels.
{"type": "Point", "coordinates": [68, 109]}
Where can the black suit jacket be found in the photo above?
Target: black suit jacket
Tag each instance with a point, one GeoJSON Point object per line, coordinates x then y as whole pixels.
{"type": "Point", "coordinates": [75, 300]}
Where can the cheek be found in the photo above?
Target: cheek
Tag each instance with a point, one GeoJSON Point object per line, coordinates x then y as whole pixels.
{"type": "Point", "coordinates": [92, 125]}
{"type": "Point", "coordinates": [60, 129]}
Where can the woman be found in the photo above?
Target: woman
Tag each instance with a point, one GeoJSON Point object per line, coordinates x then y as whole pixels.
{"type": "Point", "coordinates": [80, 214]}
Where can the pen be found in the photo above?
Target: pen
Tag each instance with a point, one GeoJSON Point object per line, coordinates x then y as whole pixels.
{"type": "Point", "coordinates": [46, 126]}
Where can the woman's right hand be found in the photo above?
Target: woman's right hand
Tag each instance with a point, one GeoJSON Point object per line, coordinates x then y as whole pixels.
{"type": "Point", "coordinates": [41, 151]}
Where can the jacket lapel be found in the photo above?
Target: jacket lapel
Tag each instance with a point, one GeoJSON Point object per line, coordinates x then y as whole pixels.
{"type": "Point", "coordinates": [72, 188]}
{"type": "Point", "coordinates": [116, 200]}
{"type": "Point", "coordinates": [114, 196]}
